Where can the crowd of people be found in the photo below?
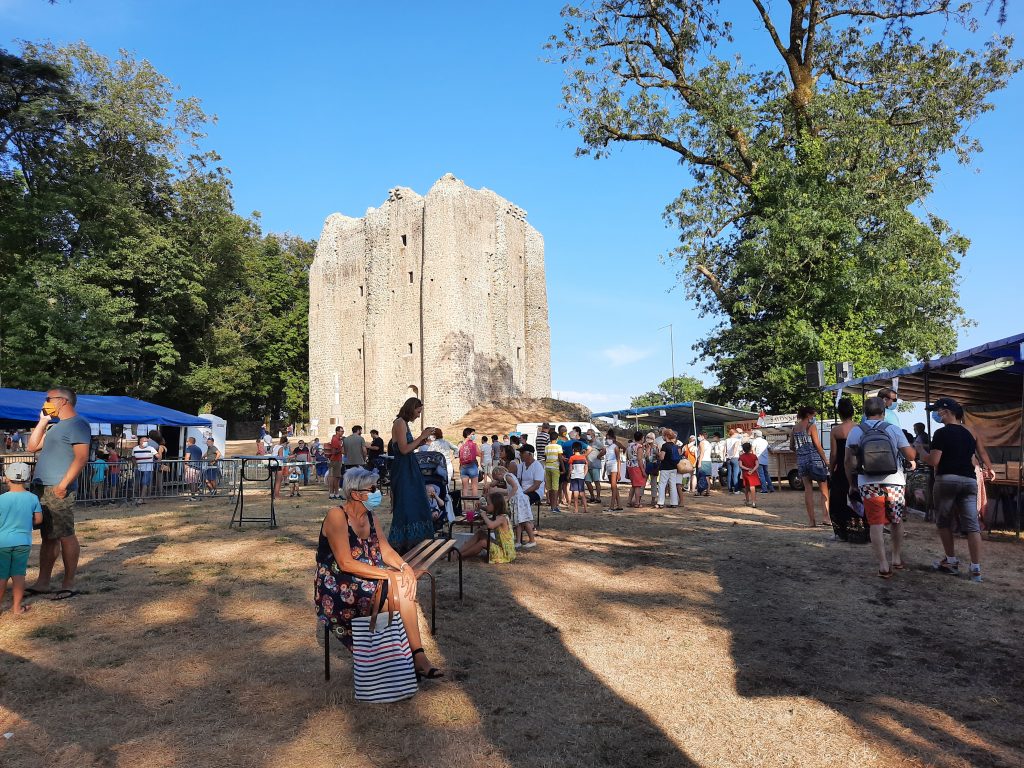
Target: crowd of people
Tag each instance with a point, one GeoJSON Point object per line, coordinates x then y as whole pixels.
{"type": "Point", "coordinates": [502, 478]}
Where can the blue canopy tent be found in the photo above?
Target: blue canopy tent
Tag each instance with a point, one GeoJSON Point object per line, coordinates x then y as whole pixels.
{"type": "Point", "coordinates": [686, 418]}
{"type": "Point", "coordinates": [940, 376]}
{"type": "Point", "coordinates": [22, 405]}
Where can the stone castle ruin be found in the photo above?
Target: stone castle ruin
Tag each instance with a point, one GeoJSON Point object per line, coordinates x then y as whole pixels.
{"type": "Point", "coordinates": [440, 297]}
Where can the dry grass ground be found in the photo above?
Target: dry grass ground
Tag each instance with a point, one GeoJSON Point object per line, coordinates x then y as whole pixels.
{"type": "Point", "coordinates": [711, 636]}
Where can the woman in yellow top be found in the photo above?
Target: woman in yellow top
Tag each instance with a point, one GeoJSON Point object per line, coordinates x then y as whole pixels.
{"type": "Point", "coordinates": [502, 547]}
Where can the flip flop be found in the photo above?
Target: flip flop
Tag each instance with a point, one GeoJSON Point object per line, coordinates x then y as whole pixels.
{"type": "Point", "coordinates": [31, 591]}
{"type": "Point", "coordinates": [885, 574]}
{"type": "Point", "coordinates": [899, 566]}
{"type": "Point", "coordinates": [65, 594]}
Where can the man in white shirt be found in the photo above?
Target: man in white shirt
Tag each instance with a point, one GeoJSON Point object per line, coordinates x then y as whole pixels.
{"type": "Point", "coordinates": [144, 455]}
{"type": "Point", "coordinates": [530, 475]}
{"type": "Point", "coordinates": [760, 447]}
{"type": "Point", "coordinates": [733, 448]}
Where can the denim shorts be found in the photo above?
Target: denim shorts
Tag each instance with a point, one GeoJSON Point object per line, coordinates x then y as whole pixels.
{"type": "Point", "coordinates": [955, 496]}
{"type": "Point", "coordinates": [469, 470]}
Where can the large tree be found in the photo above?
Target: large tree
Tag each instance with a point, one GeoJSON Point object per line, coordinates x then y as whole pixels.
{"type": "Point", "coordinates": [811, 147]}
{"type": "Point", "coordinates": [123, 266]}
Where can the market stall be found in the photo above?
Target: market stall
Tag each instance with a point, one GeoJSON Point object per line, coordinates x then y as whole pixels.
{"type": "Point", "coordinates": [988, 381]}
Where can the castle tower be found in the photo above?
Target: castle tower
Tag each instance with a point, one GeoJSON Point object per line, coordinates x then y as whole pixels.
{"type": "Point", "coordinates": [442, 297]}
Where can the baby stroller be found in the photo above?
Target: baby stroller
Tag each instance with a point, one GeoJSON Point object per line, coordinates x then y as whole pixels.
{"type": "Point", "coordinates": [434, 469]}
{"type": "Point", "coordinates": [382, 465]}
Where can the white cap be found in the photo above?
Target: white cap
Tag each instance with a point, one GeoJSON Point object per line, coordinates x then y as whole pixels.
{"type": "Point", "coordinates": [18, 472]}
{"type": "Point", "coordinates": [757, 433]}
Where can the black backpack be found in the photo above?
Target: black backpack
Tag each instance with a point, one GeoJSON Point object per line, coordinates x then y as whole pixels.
{"type": "Point", "coordinates": [875, 451]}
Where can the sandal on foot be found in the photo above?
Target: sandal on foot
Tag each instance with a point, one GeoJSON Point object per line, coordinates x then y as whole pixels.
{"type": "Point", "coordinates": [885, 574]}
{"type": "Point", "coordinates": [899, 566]}
{"type": "Point", "coordinates": [65, 594]}
{"type": "Point", "coordinates": [431, 674]}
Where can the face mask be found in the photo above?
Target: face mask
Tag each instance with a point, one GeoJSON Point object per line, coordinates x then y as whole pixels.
{"type": "Point", "coordinates": [936, 417]}
{"type": "Point", "coordinates": [812, 420]}
{"type": "Point", "coordinates": [50, 409]}
{"type": "Point", "coordinates": [608, 442]}
{"type": "Point", "coordinates": [373, 500]}
{"type": "Point", "coordinates": [891, 407]}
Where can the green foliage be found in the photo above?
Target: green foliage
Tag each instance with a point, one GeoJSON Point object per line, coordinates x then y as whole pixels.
{"type": "Point", "coordinates": [124, 267]}
{"type": "Point", "coordinates": [681, 389]}
{"type": "Point", "coordinates": [804, 229]}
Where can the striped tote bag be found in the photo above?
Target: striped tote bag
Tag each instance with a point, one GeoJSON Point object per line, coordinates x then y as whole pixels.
{"type": "Point", "coordinates": [381, 658]}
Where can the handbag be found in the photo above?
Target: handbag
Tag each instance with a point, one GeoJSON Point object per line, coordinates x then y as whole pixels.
{"type": "Point", "coordinates": [382, 665]}
{"type": "Point", "coordinates": [818, 469]}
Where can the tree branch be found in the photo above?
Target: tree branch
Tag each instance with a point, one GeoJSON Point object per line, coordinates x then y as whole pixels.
{"type": "Point", "coordinates": [713, 282]}
{"type": "Point", "coordinates": [940, 7]}
{"type": "Point", "coordinates": [712, 162]}
{"type": "Point", "coordinates": [771, 29]}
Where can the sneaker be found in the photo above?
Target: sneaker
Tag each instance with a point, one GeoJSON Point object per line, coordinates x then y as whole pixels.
{"type": "Point", "coordinates": [530, 545]}
{"type": "Point", "coordinates": [976, 575]}
{"type": "Point", "coordinates": [518, 545]}
{"type": "Point", "coordinates": [945, 566]}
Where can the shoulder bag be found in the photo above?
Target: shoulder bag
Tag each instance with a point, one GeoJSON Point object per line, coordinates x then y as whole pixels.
{"type": "Point", "coordinates": [382, 666]}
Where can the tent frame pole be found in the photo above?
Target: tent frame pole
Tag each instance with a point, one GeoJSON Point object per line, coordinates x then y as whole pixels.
{"type": "Point", "coordinates": [1020, 458]}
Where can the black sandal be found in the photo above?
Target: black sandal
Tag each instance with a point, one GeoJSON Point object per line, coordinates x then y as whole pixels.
{"type": "Point", "coordinates": [431, 674]}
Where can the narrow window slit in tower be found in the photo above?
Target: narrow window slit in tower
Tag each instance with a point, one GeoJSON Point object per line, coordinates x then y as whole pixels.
{"type": "Point", "coordinates": [410, 278]}
{"type": "Point", "coordinates": [405, 240]}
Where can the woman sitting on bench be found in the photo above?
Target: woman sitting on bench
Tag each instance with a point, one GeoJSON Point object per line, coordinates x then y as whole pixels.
{"type": "Point", "coordinates": [351, 557]}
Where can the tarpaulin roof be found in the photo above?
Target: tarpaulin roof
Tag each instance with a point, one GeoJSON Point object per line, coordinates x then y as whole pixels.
{"type": "Point", "coordinates": [943, 376]}
{"type": "Point", "coordinates": [24, 405]}
{"type": "Point", "coordinates": [683, 414]}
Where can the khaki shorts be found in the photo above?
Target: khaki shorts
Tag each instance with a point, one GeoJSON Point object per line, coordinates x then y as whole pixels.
{"type": "Point", "coordinates": [58, 514]}
{"type": "Point", "coordinates": [336, 469]}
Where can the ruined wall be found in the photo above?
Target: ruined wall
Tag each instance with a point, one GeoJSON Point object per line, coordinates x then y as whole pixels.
{"type": "Point", "coordinates": [440, 296]}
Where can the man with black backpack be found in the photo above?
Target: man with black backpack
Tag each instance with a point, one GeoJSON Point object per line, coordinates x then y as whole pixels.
{"type": "Point", "coordinates": [873, 466]}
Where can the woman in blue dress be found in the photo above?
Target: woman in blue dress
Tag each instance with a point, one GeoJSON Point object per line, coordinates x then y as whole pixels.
{"type": "Point", "coordinates": [411, 522]}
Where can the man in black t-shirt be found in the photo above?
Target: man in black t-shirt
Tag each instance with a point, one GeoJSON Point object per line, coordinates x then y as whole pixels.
{"type": "Point", "coordinates": [376, 449]}
{"type": "Point", "coordinates": [956, 486]}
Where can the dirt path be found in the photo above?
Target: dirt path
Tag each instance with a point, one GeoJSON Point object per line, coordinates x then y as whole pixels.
{"type": "Point", "coordinates": [712, 636]}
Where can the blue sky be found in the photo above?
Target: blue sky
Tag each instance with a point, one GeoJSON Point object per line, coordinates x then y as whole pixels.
{"type": "Point", "coordinates": [324, 106]}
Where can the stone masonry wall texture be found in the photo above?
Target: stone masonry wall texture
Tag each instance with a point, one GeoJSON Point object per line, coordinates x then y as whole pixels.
{"type": "Point", "coordinates": [443, 297]}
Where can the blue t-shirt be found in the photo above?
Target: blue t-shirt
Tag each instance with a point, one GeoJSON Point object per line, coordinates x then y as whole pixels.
{"type": "Point", "coordinates": [16, 511]}
{"type": "Point", "coordinates": [57, 453]}
{"type": "Point", "coordinates": [194, 454]}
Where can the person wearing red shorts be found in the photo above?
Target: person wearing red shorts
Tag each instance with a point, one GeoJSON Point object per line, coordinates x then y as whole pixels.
{"type": "Point", "coordinates": [751, 473]}
{"type": "Point", "coordinates": [883, 495]}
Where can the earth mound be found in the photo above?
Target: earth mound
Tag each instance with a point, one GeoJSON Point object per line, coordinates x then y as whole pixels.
{"type": "Point", "coordinates": [497, 418]}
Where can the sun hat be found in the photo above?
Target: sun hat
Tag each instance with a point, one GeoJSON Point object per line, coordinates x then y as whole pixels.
{"type": "Point", "coordinates": [18, 472]}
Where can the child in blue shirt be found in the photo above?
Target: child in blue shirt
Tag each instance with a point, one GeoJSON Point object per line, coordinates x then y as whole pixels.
{"type": "Point", "coordinates": [19, 510]}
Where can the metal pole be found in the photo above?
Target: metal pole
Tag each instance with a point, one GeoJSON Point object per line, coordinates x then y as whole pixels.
{"type": "Point", "coordinates": [672, 347]}
{"type": "Point", "coordinates": [672, 351]}
{"type": "Point", "coordinates": [1020, 458]}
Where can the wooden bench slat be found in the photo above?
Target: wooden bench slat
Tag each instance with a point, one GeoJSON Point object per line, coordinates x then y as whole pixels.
{"type": "Point", "coordinates": [426, 555]}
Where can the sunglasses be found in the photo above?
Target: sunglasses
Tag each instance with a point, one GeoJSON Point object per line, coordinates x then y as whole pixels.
{"type": "Point", "coordinates": [56, 397]}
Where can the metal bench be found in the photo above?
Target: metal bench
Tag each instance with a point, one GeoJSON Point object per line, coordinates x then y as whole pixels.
{"type": "Point", "coordinates": [425, 555]}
